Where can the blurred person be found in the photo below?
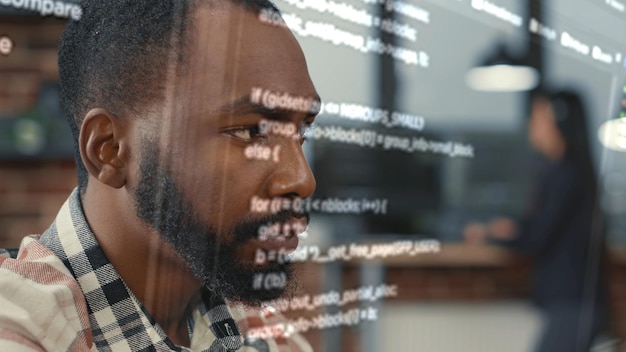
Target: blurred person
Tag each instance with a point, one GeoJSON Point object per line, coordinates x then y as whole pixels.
{"type": "Point", "coordinates": [155, 249]}
{"type": "Point", "coordinates": [563, 230]}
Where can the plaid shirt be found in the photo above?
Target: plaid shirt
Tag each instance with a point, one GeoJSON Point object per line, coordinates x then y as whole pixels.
{"type": "Point", "coordinates": [62, 294]}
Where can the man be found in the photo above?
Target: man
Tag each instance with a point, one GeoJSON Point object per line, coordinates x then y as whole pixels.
{"type": "Point", "coordinates": [155, 250]}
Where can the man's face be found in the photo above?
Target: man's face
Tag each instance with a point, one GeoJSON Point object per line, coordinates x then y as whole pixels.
{"type": "Point", "coordinates": [202, 168]}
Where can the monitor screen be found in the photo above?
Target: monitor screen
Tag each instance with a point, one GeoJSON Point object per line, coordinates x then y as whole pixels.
{"type": "Point", "coordinates": [447, 206]}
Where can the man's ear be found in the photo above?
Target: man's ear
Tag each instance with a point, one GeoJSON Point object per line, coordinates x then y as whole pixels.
{"type": "Point", "coordinates": [103, 147]}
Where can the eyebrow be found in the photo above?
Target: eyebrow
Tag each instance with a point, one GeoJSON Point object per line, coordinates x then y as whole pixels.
{"type": "Point", "coordinates": [244, 105]}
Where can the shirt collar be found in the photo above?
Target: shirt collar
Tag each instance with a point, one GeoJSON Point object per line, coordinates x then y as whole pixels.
{"type": "Point", "coordinates": [118, 319]}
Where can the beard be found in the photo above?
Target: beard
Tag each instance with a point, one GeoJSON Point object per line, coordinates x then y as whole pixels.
{"type": "Point", "coordinates": [215, 262]}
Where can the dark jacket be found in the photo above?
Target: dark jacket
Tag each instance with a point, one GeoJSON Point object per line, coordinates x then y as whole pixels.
{"type": "Point", "coordinates": [563, 232]}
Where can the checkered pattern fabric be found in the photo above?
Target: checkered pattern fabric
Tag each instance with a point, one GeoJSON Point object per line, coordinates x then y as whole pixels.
{"type": "Point", "coordinates": [105, 314]}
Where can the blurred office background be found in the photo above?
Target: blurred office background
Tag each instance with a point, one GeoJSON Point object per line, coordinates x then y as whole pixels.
{"type": "Point", "coordinates": [467, 297]}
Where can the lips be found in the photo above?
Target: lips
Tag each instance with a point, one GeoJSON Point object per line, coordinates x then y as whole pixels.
{"type": "Point", "coordinates": [279, 244]}
{"type": "Point", "coordinates": [281, 236]}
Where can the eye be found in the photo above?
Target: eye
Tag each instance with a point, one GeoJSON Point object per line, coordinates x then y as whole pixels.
{"type": "Point", "coordinates": [246, 133]}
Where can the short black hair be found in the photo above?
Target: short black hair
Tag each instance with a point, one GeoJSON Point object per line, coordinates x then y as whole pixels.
{"type": "Point", "coordinates": [116, 56]}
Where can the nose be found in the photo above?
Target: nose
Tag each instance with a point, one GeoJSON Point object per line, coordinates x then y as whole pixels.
{"type": "Point", "coordinates": [292, 175]}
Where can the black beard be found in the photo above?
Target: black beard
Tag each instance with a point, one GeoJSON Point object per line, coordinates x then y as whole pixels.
{"type": "Point", "coordinates": [162, 205]}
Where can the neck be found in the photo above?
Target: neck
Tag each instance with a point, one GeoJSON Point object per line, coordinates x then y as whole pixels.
{"type": "Point", "coordinates": [556, 153]}
{"type": "Point", "coordinates": [151, 269]}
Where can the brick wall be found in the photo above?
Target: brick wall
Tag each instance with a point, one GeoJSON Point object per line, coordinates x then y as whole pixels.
{"type": "Point", "coordinates": [32, 61]}
{"type": "Point", "coordinates": [30, 197]}
{"type": "Point", "coordinates": [617, 291]}
{"type": "Point", "coordinates": [30, 192]}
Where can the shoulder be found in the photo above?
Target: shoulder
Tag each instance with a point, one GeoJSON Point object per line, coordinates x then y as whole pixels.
{"type": "Point", "coordinates": [565, 175]}
{"type": "Point", "coordinates": [42, 304]}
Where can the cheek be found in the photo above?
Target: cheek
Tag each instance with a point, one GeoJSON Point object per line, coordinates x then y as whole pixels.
{"type": "Point", "coordinates": [245, 252]}
{"type": "Point", "coordinates": [540, 129]}
{"type": "Point", "coordinates": [223, 181]}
